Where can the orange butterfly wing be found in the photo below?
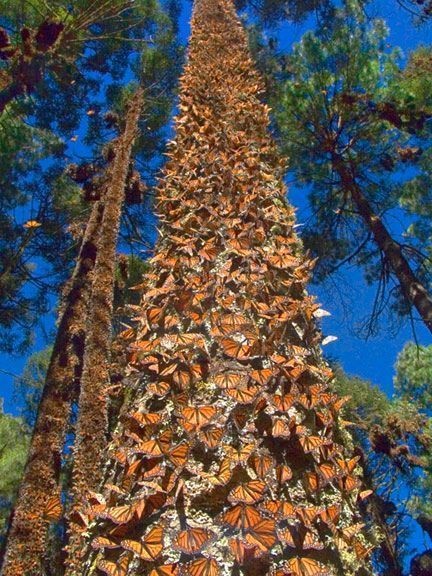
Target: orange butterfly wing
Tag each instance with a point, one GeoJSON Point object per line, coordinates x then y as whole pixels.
{"type": "Point", "coordinates": [262, 535]}
{"type": "Point", "coordinates": [203, 567]}
{"type": "Point", "coordinates": [192, 540]}
{"type": "Point", "coordinates": [306, 567]}
{"type": "Point", "coordinates": [53, 509]}
{"type": "Point", "coordinates": [150, 547]}
{"type": "Point", "coordinates": [165, 570]}
{"type": "Point", "coordinates": [112, 569]}
{"type": "Point", "coordinates": [249, 493]}
{"type": "Point", "coordinates": [242, 517]}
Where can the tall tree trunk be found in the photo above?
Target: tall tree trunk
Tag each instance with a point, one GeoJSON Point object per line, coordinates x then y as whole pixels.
{"type": "Point", "coordinates": [414, 291]}
{"type": "Point", "coordinates": [228, 457]}
{"type": "Point", "coordinates": [91, 429]}
{"type": "Point", "coordinates": [27, 536]}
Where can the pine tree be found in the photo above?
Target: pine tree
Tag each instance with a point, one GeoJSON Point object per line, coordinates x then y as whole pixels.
{"type": "Point", "coordinates": [39, 490]}
{"type": "Point", "coordinates": [229, 456]}
{"type": "Point", "coordinates": [92, 422]}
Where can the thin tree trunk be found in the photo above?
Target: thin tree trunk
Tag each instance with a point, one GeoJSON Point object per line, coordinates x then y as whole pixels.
{"type": "Point", "coordinates": [27, 535]}
{"type": "Point", "coordinates": [91, 429]}
{"type": "Point", "coordinates": [227, 457]}
{"type": "Point", "coordinates": [414, 291]}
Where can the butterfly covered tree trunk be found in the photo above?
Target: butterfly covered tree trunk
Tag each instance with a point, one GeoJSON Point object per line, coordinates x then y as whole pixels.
{"type": "Point", "coordinates": [38, 500]}
{"type": "Point", "coordinates": [92, 421]}
{"type": "Point", "coordinates": [230, 456]}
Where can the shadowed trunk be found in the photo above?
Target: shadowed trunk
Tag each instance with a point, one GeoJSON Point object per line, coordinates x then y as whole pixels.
{"type": "Point", "coordinates": [228, 458]}
{"type": "Point", "coordinates": [414, 291]}
{"type": "Point", "coordinates": [91, 429]}
{"type": "Point", "coordinates": [40, 484]}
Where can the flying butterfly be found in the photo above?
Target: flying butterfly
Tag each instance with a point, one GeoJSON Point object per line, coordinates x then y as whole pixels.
{"type": "Point", "coordinates": [150, 547]}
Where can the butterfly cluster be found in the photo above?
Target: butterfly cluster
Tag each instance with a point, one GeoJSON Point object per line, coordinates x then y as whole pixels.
{"type": "Point", "coordinates": [229, 458]}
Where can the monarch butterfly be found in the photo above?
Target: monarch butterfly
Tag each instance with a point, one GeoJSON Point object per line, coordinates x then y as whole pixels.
{"type": "Point", "coordinates": [155, 314]}
{"type": "Point", "coordinates": [209, 251]}
{"type": "Point", "coordinates": [262, 535]}
{"type": "Point", "coordinates": [223, 476]}
{"type": "Point", "coordinates": [307, 514]}
{"type": "Point", "coordinates": [228, 380]}
{"type": "Point", "coordinates": [121, 514]}
{"type": "Point", "coordinates": [238, 456]}
{"type": "Point", "coordinates": [283, 260]}
{"type": "Point", "coordinates": [152, 468]}
{"type": "Point", "coordinates": [102, 542]}
{"type": "Point", "coordinates": [242, 551]}
{"type": "Point", "coordinates": [262, 464]}
{"type": "Point", "coordinates": [279, 509]}
{"type": "Point", "coordinates": [330, 515]}
{"type": "Point", "coordinates": [281, 428]}
{"type": "Point", "coordinates": [53, 509]}
{"type": "Point", "coordinates": [306, 567]}
{"type": "Point", "coordinates": [261, 376]}
{"type": "Point", "coordinates": [32, 224]}
{"type": "Point", "coordinates": [179, 454]}
{"type": "Point", "coordinates": [347, 466]}
{"type": "Point", "coordinates": [149, 419]}
{"type": "Point", "coordinates": [311, 443]}
{"type": "Point", "coordinates": [351, 531]}
{"type": "Point", "coordinates": [193, 540]}
{"type": "Point", "coordinates": [112, 569]}
{"type": "Point", "coordinates": [283, 403]}
{"type": "Point", "coordinates": [152, 448]}
{"type": "Point", "coordinates": [203, 567]}
{"type": "Point", "coordinates": [211, 436]}
{"type": "Point", "coordinates": [150, 547]}
{"type": "Point", "coordinates": [283, 473]}
{"type": "Point", "coordinates": [300, 538]}
{"type": "Point", "coordinates": [243, 395]}
{"type": "Point", "coordinates": [165, 570]}
{"type": "Point", "coordinates": [197, 416]}
{"type": "Point", "coordinates": [235, 349]}
{"type": "Point", "coordinates": [361, 550]}
{"type": "Point", "coordinates": [348, 483]}
{"type": "Point", "coordinates": [249, 493]}
{"type": "Point", "coordinates": [242, 517]}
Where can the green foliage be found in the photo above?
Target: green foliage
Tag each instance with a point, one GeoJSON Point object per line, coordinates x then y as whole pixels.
{"type": "Point", "coordinates": [413, 383]}
{"type": "Point", "coordinates": [13, 451]}
{"type": "Point", "coordinates": [395, 437]}
{"type": "Point", "coordinates": [345, 96]}
{"type": "Point", "coordinates": [29, 385]}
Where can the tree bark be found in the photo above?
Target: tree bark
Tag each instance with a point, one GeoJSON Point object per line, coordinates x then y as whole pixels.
{"type": "Point", "coordinates": [27, 535]}
{"type": "Point", "coordinates": [228, 449]}
{"type": "Point", "coordinates": [414, 291]}
{"type": "Point", "coordinates": [91, 428]}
